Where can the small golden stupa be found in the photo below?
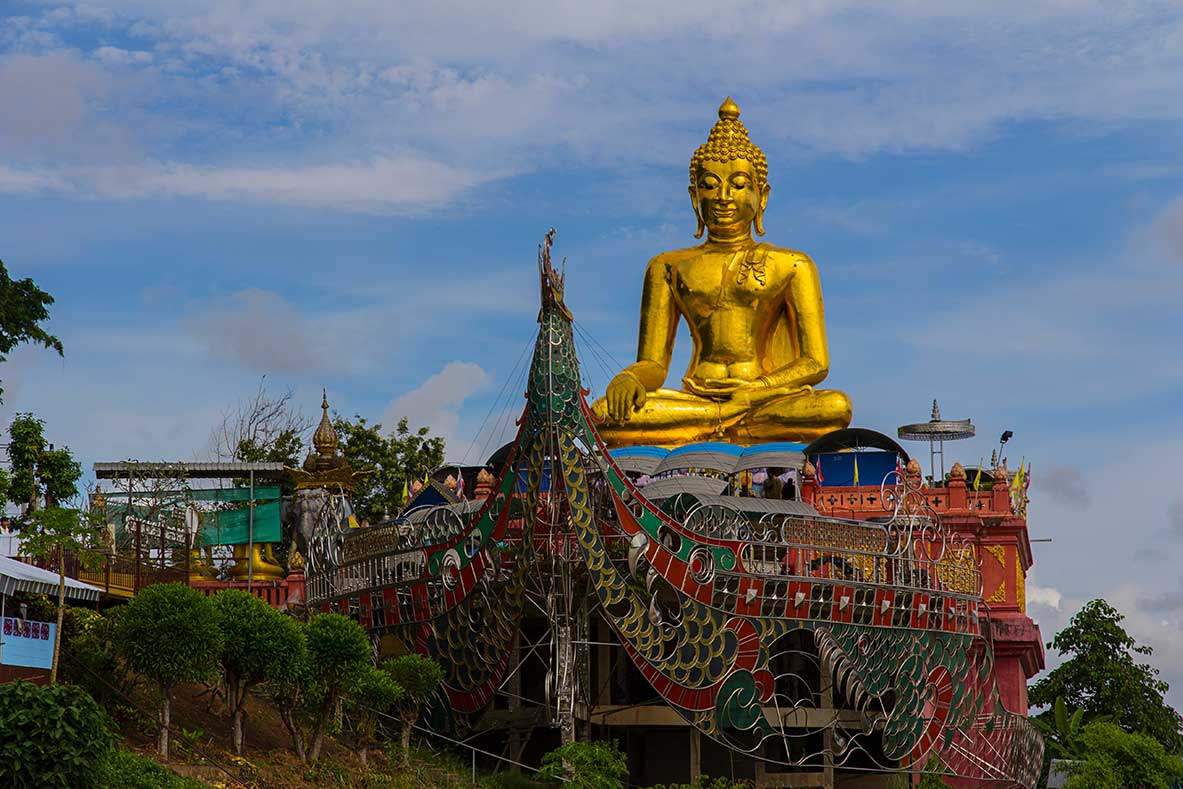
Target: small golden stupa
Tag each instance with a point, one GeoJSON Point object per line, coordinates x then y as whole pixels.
{"type": "Point", "coordinates": [325, 466]}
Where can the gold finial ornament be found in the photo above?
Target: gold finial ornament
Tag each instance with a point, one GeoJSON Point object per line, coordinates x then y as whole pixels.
{"type": "Point", "coordinates": [325, 466]}
{"type": "Point", "coordinates": [755, 316]}
{"type": "Point", "coordinates": [325, 438]}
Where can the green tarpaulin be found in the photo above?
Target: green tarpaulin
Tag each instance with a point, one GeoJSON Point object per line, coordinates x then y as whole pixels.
{"type": "Point", "coordinates": [235, 494]}
{"type": "Point", "coordinates": [227, 527]}
{"type": "Point", "coordinates": [232, 527]}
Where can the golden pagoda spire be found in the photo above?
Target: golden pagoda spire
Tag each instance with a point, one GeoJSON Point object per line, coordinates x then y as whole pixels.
{"type": "Point", "coordinates": [325, 438]}
{"type": "Point", "coordinates": [325, 466]}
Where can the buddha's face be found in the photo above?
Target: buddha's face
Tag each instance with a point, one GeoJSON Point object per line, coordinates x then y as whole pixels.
{"type": "Point", "coordinates": [728, 197]}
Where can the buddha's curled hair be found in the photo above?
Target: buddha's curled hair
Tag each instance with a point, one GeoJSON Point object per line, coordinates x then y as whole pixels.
{"type": "Point", "coordinates": [729, 141]}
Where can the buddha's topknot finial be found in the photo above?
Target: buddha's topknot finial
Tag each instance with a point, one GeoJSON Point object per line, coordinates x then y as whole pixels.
{"type": "Point", "coordinates": [729, 141]}
{"type": "Point", "coordinates": [728, 110]}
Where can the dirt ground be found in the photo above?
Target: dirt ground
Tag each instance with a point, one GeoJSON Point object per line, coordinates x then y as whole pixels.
{"type": "Point", "coordinates": [202, 749]}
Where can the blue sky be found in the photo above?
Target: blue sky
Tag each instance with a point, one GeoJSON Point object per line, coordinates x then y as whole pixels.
{"type": "Point", "coordinates": [349, 195]}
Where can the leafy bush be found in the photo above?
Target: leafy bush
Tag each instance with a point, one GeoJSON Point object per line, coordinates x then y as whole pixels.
{"type": "Point", "coordinates": [255, 636]}
{"type": "Point", "coordinates": [122, 769]}
{"type": "Point", "coordinates": [586, 765]}
{"type": "Point", "coordinates": [512, 780]}
{"type": "Point", "coordinates": [420, 678]}
{"type": "Point", "coordinates": [50, 736]}
{"type": "Point", "coordinates": [339, 651]}
{"type": "Point", "coordinates": [1113, 759]}
{"type": "Point", "coordinates": [290, 678]}
{"type": "Point", "coordinates": [89, 656]}
{"type": "Point", "coordinates": [372, 694]}
{"type": "Point", "coordinates": [170, 634]}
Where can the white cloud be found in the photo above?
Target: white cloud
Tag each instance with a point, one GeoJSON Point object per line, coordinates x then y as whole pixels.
{"type": "Point", "coordinates": [436, 403]}
{"type": "Point", "coordinates": [373, 92]}
{"type": "Point", "coordinates": [13, 181]}
{"type": "Point", "coordinates": [123, 57]}
{"type": "Point", "coordinates": [401, 185]}
{"type": "Point", "coordinates": [1043, 595]}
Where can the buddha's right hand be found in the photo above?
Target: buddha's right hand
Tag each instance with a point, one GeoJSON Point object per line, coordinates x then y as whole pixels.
{"type": "Point", "coordinates": [625, 395]}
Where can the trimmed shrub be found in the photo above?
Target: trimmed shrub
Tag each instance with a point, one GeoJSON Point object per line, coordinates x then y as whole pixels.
{"type": "Point", "coordinates": [339, 651]}
{"type": "Point", "coordinates": [170, 634]}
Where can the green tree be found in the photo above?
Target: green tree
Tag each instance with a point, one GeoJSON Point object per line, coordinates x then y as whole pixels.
{"type": "Point", "coordinates": [42, 480]}
{"type": "Point", "coordinates": [23, 306]}
{"type": "Point", "coordinates": [254, 638]}
{"type": "Point", "coordinates": [420, 678]}
{"type": "Point", "coordinates": [586, 765]}
{"type": "Point", "coordinates": [41, 475]}
{"type": "Point", "coordinates": [1101, 677]}
{"type": "Point", "coordinates": [1110, 758]}
{"type": "Point", "coordinates": [51, 736]}
{"type": "Point", "coordinates": [340, 651]}
{"type": "Point", "coordinates": [373, 693]}
{"type": "Point", "coordinates": [394, 460]}
{"type": "Point", "coordinates": [289, 679]}
{"type": "Point", "coordinates": [170, 634]}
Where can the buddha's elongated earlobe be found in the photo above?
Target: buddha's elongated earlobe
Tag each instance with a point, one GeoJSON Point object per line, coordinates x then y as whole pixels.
{"type": "Point", "coordinates": [697, 214]}
{"type": "Point", "coordinates": [763, 204]}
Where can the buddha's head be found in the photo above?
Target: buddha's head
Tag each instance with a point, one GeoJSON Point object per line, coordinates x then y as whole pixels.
{"type": "Point", "coordinates": [729, 179]}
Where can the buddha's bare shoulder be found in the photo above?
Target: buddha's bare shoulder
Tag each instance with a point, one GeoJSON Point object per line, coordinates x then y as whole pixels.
{"type": "Point", "coordinates": [788, 256]}
{"type": "Point", "coordinates": [661, 264]}
{"type": "Point", "coordinates": [676, 256]}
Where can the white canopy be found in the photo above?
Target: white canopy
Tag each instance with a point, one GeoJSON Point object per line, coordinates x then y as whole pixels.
{"type": "Point", "coordinates": [16, 576]}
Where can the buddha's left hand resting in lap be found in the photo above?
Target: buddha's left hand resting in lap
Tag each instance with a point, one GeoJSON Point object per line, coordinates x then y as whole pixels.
{"type": "Point", "coordinates": [755, 316]}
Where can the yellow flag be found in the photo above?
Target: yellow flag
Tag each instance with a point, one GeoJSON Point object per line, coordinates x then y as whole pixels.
{"type": "Point", "coordinates": [978, 476]}
{"type": "Point", "coordinates": [856, 469]}
{"type": "Point", "coordinates": [1017, 482]}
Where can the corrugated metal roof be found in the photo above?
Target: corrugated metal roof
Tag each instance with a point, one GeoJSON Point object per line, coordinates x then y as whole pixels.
{"type": "Point", "coordinates": [715, 461]}
{"type": "Point", "coordinates": [638, 464]}
{"type": "Point", "coordinates": [759, 506]}
{"type": "Point", "coordinates": [783, 459]}
{"type": "Point", "coordinates": [466, 507]}
{"type": "Point", "coordinates": [672, 486]}
{"type": "Point", "coordinates": [120, 470]}
{"type": "Point", "coordinates": [16, 576]}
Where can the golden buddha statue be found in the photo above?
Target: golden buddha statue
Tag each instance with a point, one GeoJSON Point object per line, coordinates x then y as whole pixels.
{"type": "Point", "coordinates": [755, 316]}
